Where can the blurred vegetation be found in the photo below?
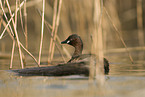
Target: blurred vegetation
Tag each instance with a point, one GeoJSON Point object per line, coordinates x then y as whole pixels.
{"type": "Point", "coordinates": [77, 16]}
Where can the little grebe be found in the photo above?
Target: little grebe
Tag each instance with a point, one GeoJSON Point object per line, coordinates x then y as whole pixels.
{"type": "Point", "coordinates": [75, 41]}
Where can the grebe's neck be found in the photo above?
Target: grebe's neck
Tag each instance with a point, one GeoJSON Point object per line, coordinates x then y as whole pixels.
{"type": "Point", "coordinates": [78, 50]}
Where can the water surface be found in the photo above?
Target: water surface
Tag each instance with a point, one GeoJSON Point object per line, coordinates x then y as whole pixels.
{"type": "Point", "coordinates": [125, 79]}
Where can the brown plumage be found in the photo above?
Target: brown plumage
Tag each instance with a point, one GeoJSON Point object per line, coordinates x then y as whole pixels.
{"type": "Point", "coordinates": [75, 41]}
{"type": "Point", "coordinates": [77, 65]}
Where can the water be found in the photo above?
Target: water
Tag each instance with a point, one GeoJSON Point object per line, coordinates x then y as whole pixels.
{"type": "Point", "coordinates": [124, 80]}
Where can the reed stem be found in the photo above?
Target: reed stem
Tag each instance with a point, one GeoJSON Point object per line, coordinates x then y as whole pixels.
{"type": "Point", "coordinates": [42, 30]}
{"type": "Point", "coordinates": [98, 40]}
{"type": "Point", "coordinates": [48, 26]}
{"type": "Point", "coordinates": [16, 14]}
{"type": "Point", "coordinates": [53, 29]}
{"type": "Point", "coordinates": [12, 39]}
{"type": "Point", "coordinates": [29, 53]}
{"type": "Point", "coordinates": [12, 55]}
{"type": "Point", "coordinates": [118, 34]}
{"type": "Point", "coordinates": [140, 22]}
{"type": "Point", "coordinates": [8, 22]}
{"type": "Point", "coordinates": [17, 37]}
{"type": "Point", "coordinates": [21, 19]}
{"type": "Point", "coordinates": [26, 32]}
{"type": "Point", "coordinates": [56, 28]}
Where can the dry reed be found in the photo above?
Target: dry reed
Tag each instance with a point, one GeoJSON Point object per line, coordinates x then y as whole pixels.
{"type": "Point", "coordinates": [8, 24]}
{"type": "Point", "coordinates": [120, 37]}
{"type": "Point", "coordinates": [55, 38]}
{"type": "Point", "coordinates": [12, 54]}
{"type": "Point", "coordinates": [29, 53]}
{"type": "Point", "coordinates": [54, 29]}
{"type": "Point", "coordinates": [140, 26]}
{"type": "Point", "coordinates": [59, 49]}
{"type": "Point", "coordinates": [42, 30]}
{"type": "Point", "coordinates": [26, 32]}
{"type": "Point", "coordinates": [140, 22]}
{"type": "Point", "coordinates": [15, 30]}
{"type": "Point", "coordinates": [16, 14]}
{"type": "Point", "coordinates": [97, 42]}
{"type": "Point", "coordinates": [12, 34]}
{"type": "Point", "coordinates": [1, 21]}
{"type": "Point", "coordinates": [21, 19]}
{"type": "Point", "coordinates": [29, 4]}
{"type": "Point", "coordinates": [48, 26]}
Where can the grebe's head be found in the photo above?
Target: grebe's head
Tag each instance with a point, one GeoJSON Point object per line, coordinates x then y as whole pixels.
{"type": "Point", "coordinates": [73, 40]}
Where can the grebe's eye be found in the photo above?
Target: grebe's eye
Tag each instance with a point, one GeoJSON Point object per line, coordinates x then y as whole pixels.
{"type": "Point", "coordinates": [68, 41]}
